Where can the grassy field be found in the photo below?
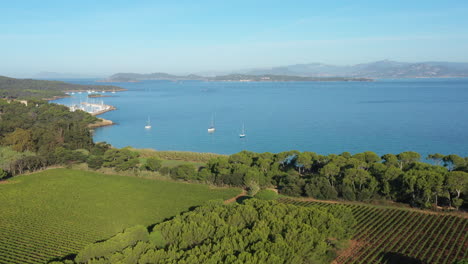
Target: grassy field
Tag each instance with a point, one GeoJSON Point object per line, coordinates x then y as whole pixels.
{"type": "Point", "coordinates": [177, 155]}
{"type": "Point", "coordinates": [401, 235]}
{"type": "Point", "coordinates": [175, 163]}
{"type": "Point", "coordinates": [57, 212]}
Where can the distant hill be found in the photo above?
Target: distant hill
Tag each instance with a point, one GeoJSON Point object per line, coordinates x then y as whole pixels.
{"type": "Point", "coordinates": [378, 69]}
{"type": "Point", "coordinates": [318, 72]}
{"type": "Point", "coordinates": [136, 77]}
{"type": "Point", "coordinates": [280, 78]}
{"type": "Point", "coordinates": [29, 88]}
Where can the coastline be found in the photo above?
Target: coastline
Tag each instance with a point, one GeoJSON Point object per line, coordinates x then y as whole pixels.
{"type": "Point", "coordinates": [56, 97]}
{"type": "Point", "coordinates": [101, 123]}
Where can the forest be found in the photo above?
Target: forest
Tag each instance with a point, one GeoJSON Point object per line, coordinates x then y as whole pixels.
{"type": "Point", "coordinates": [12, 88]}
{"type": "Point", "coordinates": [253, 232]}
{"type": "Point", "coordinates": [363, 176]}
{"type": "Point", "coordinates": [41, 134]}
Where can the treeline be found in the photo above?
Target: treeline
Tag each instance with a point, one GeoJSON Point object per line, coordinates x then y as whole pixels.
{"type": "Point", "coordinates": [28, 88]}
{"type": "Point", "coordinates": [40, 134]}
{"type": "Point", "coordinates": [362, 177]}
{"type": "Point", "coordinates": [254, 232]}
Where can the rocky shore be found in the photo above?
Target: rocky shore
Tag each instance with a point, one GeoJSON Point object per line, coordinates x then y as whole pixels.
{"type": "Point", "coordinates": [101, 123]}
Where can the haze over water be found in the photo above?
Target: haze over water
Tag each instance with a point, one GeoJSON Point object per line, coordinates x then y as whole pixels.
{"type": "Point", "coordinates": [385, 116]}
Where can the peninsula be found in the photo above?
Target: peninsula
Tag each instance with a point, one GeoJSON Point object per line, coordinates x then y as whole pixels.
{"type": "Point", "coordinates": [317, 72]}
{"type": "Point", "coordinates": [136, 77]}
{"type": "Point", "coordinates": [12, 88]}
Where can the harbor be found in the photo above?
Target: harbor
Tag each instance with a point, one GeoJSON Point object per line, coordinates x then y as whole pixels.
{"type": "Point", "coordinates": [92, 108]}
{"type": "Point", "coordinates": [92, 105]}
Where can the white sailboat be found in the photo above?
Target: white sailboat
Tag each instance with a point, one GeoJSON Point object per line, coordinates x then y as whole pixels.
{"type": "Point", "coordinates": [148, 124]}
{"type": "Point", "coordinates": [212, 128]}
{"type": "Point", "coordinates": [242, 134]}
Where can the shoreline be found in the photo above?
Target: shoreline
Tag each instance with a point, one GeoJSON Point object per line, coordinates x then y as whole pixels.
{"type": "Point", "coordinates": [101, 123]}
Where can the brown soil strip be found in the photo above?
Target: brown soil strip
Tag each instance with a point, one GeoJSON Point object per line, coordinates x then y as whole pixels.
{"type": "Point", "coordinates": [233, 199]}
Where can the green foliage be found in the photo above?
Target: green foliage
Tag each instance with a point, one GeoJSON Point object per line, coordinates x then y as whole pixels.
{"type": "Point", "coordinates": [254, 232]}
{"type": "Point", "coordinates": [252, 188]}
{"type": "Point", "coordinates": [453, 162]}
{"type": "Point", "coordinates": [28, 88]}
{"type": "Point", "coordinates": [95, 162]}
{"type": "Point", "coordinates": [177, 155]}
{"type": "Point", "coordinates": [117, 243]}
{"type": "Point", "coordinates": [100, 148]}
{"type": "Point", "coordinates": [59, 211]}
{"type": "Point", "coordinates": [320, 188]}
{"type": "Point", "coordinates": [121, 159]}
{"type": "Point", "coordinates": [457, 202]}
{"type": "Point", "coordinates": [153, 164]}
{"type": "Point", "coordinates": [157, 239]}
{"type": "Point", "coordinates": [66, 156]}
{"type": "Point", "coordinates": [363, 176]}
{"type": "Point", "coordinates": [49, 130]}
{"type": "Point", "coordinates": [266, 195]}
{"type": "Point", "coordinates": [3, 174]}
{"type": "Point", "coordinates": [165, 171]}
{"type": "Point", "coordinates": [184, 172]}
{"type": "Point", "coordinates": [11, 160]}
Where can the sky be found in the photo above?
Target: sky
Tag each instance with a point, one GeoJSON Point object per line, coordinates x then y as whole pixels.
{"type": "Point", "coordinates": [103, 37]}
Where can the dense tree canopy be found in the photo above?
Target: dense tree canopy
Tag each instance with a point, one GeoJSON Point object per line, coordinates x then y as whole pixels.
{"type": "Point", "coordinates": [363, 176]}
{"type": "Point", "coordinates": [40, 134]}
{"type": "Point", "coordinates": [254, 232]}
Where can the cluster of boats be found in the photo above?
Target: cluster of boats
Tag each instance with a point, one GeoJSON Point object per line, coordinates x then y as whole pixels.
{"type": "Point", "coordinates": [90, 107]}
{"type": "Point", "coordinates": [89, 92]}
{"type": "Point", "coordinates": [211, 129]}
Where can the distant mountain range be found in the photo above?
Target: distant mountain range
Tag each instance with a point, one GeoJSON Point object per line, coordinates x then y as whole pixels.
{"type": "Point", "coordinates": [378, 69]}
{"type": "Point", "coordinates": [136, 77]}
{"type": "Point", "coordinates": [319, 72]}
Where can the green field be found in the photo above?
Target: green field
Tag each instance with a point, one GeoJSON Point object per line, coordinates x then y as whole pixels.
{"type": "Point", "coordinates": [401, 235]}
{"type": "Point", "coordinates": [57, 212]}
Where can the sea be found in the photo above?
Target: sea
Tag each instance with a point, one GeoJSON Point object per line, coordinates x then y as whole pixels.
{"type": "Point", "coordinates": [384, 116]}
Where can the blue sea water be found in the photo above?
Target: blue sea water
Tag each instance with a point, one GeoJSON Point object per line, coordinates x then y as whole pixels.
{"type": "Point", "coordinates": [384, 116]}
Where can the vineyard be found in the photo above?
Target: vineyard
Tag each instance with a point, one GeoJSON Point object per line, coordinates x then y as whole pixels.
{"type": "Point", "coordinates": [397, 235]}
{"type": "Point", "coordinates": [57, 212]}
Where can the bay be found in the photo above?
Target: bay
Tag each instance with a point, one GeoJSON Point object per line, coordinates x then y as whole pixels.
{"type": "Point", "coordinates": [384, 116]}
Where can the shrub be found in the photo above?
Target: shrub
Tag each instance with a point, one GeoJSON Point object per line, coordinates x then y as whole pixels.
{"type": "Point", "coordinates": [95, 162]}
{"type": "Point", "coordinates": [252, 188]}
{"type": "Point", "coordinates": [153, 164]}
{"type": "Point", "coordinates": [3, 174]}
{"type": "Point", "coordinates": [165, 171]}
{"type": "Point", "coordinates": [183, 172]}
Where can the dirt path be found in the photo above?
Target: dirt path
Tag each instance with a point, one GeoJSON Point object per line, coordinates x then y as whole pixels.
{"type": "Point", "coordinates": [233, 199]}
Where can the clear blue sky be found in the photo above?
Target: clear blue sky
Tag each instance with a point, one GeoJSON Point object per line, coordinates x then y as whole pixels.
{"type": "Point", "coordinates": [103, 37]}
